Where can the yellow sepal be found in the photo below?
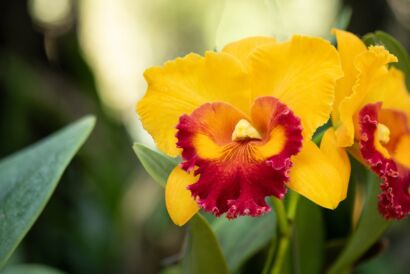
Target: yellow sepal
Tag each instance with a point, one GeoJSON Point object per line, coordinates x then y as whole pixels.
{"type": "Point", "coordinates": [180, 204]}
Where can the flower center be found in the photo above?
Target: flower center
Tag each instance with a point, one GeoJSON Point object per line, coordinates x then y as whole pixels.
{"type": "Point", "coordinates": [245, 131]}
{"type": "Point", "coordinates": [383, 133]}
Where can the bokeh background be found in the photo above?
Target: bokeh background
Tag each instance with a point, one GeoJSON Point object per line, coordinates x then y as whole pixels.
{"type": "Point", "coordinates": [62, 59]}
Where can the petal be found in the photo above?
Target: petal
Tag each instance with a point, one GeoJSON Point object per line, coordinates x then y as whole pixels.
{"type": "Point", "coordinates": [373, 152]}
{"type": "Point", "coordinates": [402, 153]}
{"type": "Point", "coordinates": [391, 90]}
{"type": "Point", "coordinates": [180, 204]}
{"type": "Point", "coordinates": [398, 125]}
{"type": "Point", "coordinates": [206, 132]}
{"type": "Point", "coordinates": [270, 116]}
{"type": "Point", "coordinates": [243, 48]}
{"type": "Point", "coordinates": [182, 85]}
{"type": "Point", "coordinates": [298, 72]}
{"type": "Point", "coordinates": [236, 176]}
{"type": "Point", "coordinates": [321, 175]}
{"type": "Point", "coordinates": [371, 67]}
{"type": "Point", "coordinates": [394, 201]}
{"type": "Point", "coordinates": [349, 46]}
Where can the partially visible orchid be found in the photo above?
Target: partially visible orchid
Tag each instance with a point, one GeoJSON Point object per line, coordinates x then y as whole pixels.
{"type": "Point", "coordinates": [371, 118]}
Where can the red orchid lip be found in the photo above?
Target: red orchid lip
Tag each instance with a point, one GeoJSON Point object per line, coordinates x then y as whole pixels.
{"type": "Point", "coordinates": [236, 176]}
{"type": "Point", "coordinates": [394, 201]}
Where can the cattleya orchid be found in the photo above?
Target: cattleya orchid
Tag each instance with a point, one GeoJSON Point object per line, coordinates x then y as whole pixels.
{"type": "Point", "coordinates": [371, 117]}
{"type": "Point", "coordinates": [242, 120]}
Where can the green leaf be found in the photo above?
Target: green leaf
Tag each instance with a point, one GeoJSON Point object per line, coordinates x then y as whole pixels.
{"type": "Point", "coordinates": [370, 228]}
{"type": "Point", "coordinates": [243, 237]}
{"type": "Point", "coordinates": [29, 177]}
{"type": "Point", "coordinates": [309, 238]}
{"type": "Point", "coordinates": [203, 253]}
{"type": "Point", "coordinates": [158, 165]}
{"type": "Point", "coordinates": [30, 269]}
{"type": "Point", "coordinates": [395, 47]}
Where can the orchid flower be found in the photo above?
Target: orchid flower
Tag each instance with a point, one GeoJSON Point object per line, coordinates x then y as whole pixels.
{"type": "Point", "coordinates": [371, 117]}
{"type": "Point", "coordinates": [242, 120]}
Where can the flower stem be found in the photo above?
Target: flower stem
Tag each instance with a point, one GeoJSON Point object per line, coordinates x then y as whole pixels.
{"type": "Point", "coordinates": [292, 205]}
{"type": "Point", "coordinates": [281, 216]}
{"type": "Point", "coordinates": [284, 230]}
{"type": "Point", "coordinates": [281, 255]}
{"type": "Point", "coordinates": [269, 258]}
{"type": "Point", "coordinates": [282, 222]}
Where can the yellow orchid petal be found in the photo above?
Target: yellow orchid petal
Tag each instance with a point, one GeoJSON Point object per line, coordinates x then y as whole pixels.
{"type": "Point", "coordinates": [299, 73]}
{"type": "Point", "coordinates": [390, 88]}
{"type": "Point", "coordinates": [371, 67]}
{"type": "Point", "coordinates": [321, 175]}
{"type": "Point", "coordinates": [349, 46]}
{"type": "Point", "coordinates": [180, 204]}
{"type": "Point", "coordinates": [182, 85]}
{"type": "Point", "coordinates": [243, 48]}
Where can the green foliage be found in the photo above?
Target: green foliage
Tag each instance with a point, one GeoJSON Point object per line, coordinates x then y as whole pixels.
{"type": "Point", "coordinates": [309, 237]}
{"type": "Point", "coordinates": [29, 177]}
{"type": "Point", "coordinates": [158, 165]}
{"type": "Point", "coordinates": [370, 228]}
{"type": "Point", "coordinates": [30, 269]}
{"type": "Point", "coordinates": [395, 47]}
{"type": "Point", "coordinates": [243, 237]}
{"type": "Point", "coordinates": [203, 253]}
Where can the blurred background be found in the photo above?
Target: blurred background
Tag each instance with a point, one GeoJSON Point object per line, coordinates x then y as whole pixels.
{"type": "Point", "coordinates": [62, 59]}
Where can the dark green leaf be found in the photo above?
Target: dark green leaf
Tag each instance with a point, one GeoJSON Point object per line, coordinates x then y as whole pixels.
{"type": "Point", "coordinates": [29, 177]}
{"type": "Point", "coordinates": [30, 269]}
{"type": "Point", "coordinates": [370, 228]}
{"type": "Point", "coordinates": [158, 165]}
{"type": "Point", "coordinates": [309, 238]}
{"type": "Point", "coordinates": [243, 237]}
{"type": "Point", "coordinates": [203, 253]}
{"type": "Point", "coordinates": [394, 46]}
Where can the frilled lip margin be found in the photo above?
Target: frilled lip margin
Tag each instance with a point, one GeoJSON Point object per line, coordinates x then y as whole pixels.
{"type": "Point", "coordinates": [394, 200]}
{"type": "Point", "coordinates": [238, 180]}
